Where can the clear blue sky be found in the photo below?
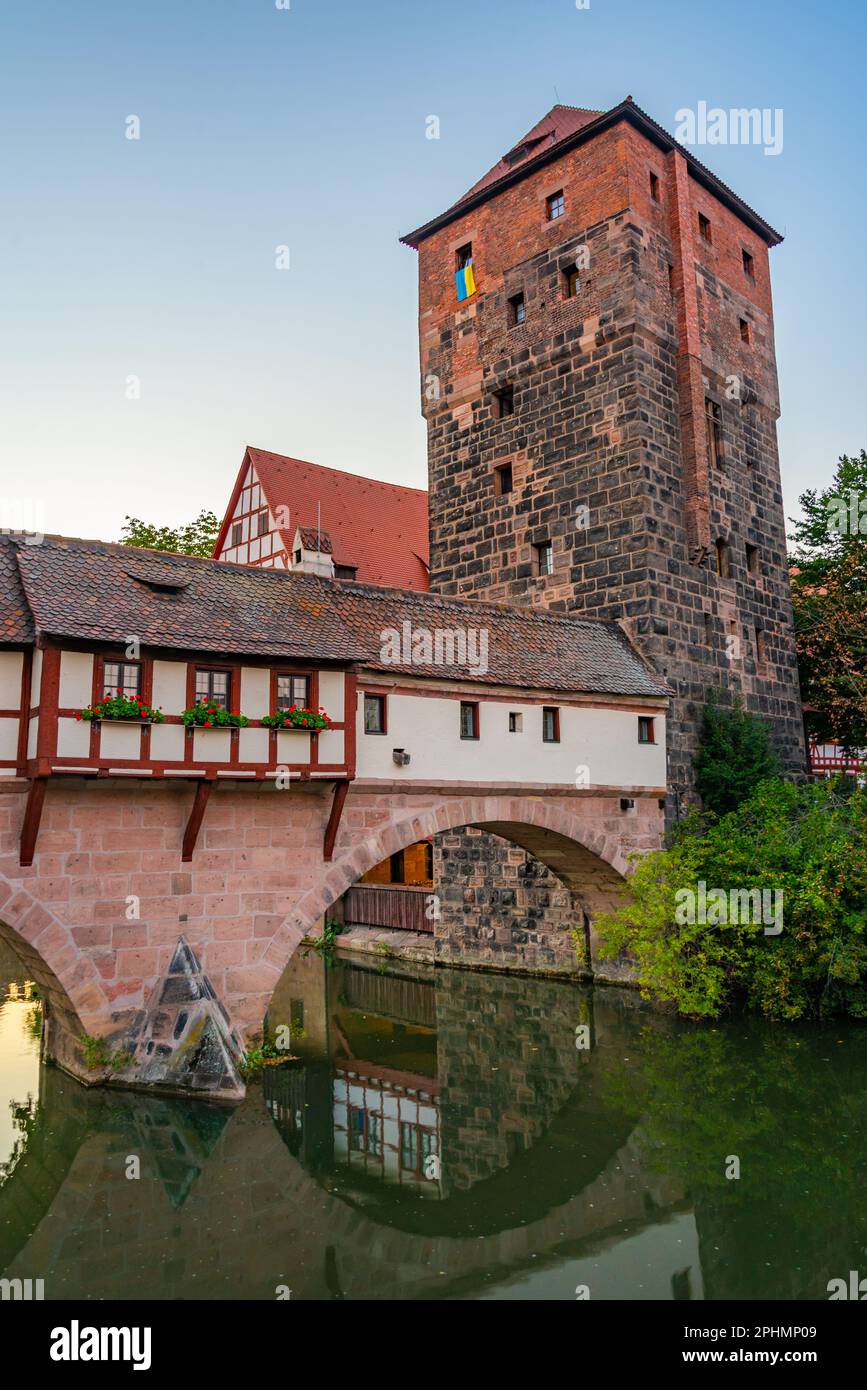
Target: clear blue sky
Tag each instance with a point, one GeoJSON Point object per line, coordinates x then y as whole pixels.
{"type": "Point", "coordinates": [306, 127]}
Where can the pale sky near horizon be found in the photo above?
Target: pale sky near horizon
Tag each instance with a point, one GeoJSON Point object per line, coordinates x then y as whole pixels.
{"type": "Point", "coordinates": [305, 127]}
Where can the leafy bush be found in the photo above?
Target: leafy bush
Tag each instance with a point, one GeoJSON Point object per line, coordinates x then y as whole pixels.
{"type": "Point", "coordinates": [734, 755]}
{"type": "Point", "coordinates": [808, 843]}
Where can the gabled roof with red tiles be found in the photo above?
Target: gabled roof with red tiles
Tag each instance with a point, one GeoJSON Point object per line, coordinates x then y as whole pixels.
{"type": "Point", "coordinates": [565, 128]}
{"type": "Point", "coordinates": [97, 592]}
{"type": "Point", "coordinates": [379, 528]}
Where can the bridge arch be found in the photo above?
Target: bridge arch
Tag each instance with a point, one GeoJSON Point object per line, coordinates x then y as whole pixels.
{"type": "Point", "coordinates": [564, 834]}
{"type": "Point", "coordinates": [73, 1000]}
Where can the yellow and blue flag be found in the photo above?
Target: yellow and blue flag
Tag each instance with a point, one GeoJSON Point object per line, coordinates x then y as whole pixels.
{"type": "Point", "coordinates": [465, 281]}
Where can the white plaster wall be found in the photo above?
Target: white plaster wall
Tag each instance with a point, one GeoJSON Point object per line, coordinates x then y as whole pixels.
{"type": "Point", "coordinates": [170, 686]}
{"type": "Point", "coordinates": [73, 738]}
{"type": "Point", "coordinates": [167, 743]}
{"type": "Point", "coordinates": [212, 745]}
{"type": "Point", "coordinates": [253, 745]}
{"type": "Point", "coordinates": [331, 746]}
{"type": "Point", "coordinates": [118, 740]}
{"type": "Point", "coordinates": [76, 679]}
{"type": "Point", "coordinates": [11, 666]}
{"type": "Point", "coordinates": [331, 688]}
{"type": "Point", "coordinates": [32, 736]}
{"type": "Point", "coordinates": [36, 676]}
{"type": "Point", "coordinates": [605, 741]}
{"type": "Point", "coordinates": [294, 747]}
{"type": "Point", "coordinates": [9, 741]}
{"type": "Point", "coordinates": [255, 692]}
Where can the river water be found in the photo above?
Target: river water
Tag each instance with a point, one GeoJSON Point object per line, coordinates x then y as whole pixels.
{"type": "Point", "coordinates": [448, 1134]}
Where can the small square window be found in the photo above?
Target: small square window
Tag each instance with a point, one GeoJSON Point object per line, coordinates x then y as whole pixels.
{"type": "Point", "coordinates": [122, 676]}
{"type": "Point", "coordinates": [749, 264]}
{"type": "Point", "coordinates": [516, 722]}
{"type": "Point", "coordinates": [464, 256]}
{"type": "Point", "coordinates": [292, 690]}
{"type": "Point", "coordinates": [721, 557]}
{"type": "Point", "coordinates": [469, 719]}
{"type": "Point", "coordinates": [761, 646]}
{"type": "Point", "coordinates": [571, 282]}
{"type": "Point", "coordinates": [212, 687]}
{"type": "Point", "coordinates": [550, 724]}
{"type": "Point", "coordinates": [517, 309]}
{"type": "Point", "coordinates": [704, 227]}
{"type": "Point", "coordinates": [374, 714]}
{"type": "Point", "coordinates": [543, 558]}
{"type": "Point", "coordinates": [503, 480]}
{"type": "Point", "coordinates": [753, 559]}
{"type": "Point", "coordinates": [504, 402]}
{"type": "Point", "coordinates": [645, 729]}
{"type": "Point", "coordinates": [262, 528]}
{"type": "Point", "coordinates": [654, 187]}
{"type": "Point", "coordinates": [237, 532]}
{"type": "Point", "coordinates": [556, 206]}
{"type": "Point", "coordinates": [746, 336]}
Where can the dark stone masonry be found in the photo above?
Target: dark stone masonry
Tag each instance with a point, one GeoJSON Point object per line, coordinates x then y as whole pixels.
{"type": "Point", "coordinates": [626, 420]}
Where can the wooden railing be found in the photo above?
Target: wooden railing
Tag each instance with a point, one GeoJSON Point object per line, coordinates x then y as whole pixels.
{"type": "Point", "coordinates": [394, 908]}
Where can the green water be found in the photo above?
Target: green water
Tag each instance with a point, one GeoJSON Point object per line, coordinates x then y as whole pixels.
{"type": "Point", "coordinates": [444, 1137]}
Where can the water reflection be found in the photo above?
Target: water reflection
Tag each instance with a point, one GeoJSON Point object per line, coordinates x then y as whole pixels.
{"type": "Point", "coordinates": [443, 1136]}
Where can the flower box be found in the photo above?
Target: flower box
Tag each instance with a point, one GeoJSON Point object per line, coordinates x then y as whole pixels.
{"type": "Point", "coordinates": [121, 709]}
{"type": "Point", "coordinates": [205, 716]}
{"type": "Point", "coordinates": [297, 719]}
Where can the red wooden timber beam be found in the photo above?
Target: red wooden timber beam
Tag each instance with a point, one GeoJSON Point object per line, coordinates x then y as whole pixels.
{"type": "Point", "coordinates": [197, 815]}
{"type": "Point", "coordinates": [32, 817]}
{"type": "Point", "coordinates": [340, 790]}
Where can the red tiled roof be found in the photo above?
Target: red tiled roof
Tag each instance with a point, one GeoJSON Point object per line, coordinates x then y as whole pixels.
{"type": "Point", "coordinates": [380, 528]}
{"type": "Point", "coordinates": [98, 592]}
{"type": "Point", "coordinates": [559, 122]}
{"type": "Point", "coordinates": [16, 623]}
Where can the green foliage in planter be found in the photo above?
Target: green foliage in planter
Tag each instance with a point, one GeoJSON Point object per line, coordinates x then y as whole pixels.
{"type": "Point", "coordinates": [297, 718]}
{"type": "Point", "coordinates": [734, 755]}
{"type": "Point", "coordinates": [207, 716]}
{"type": "Point", "coordinates": [808, 843]}
{"type": "Point", "coordinates": [122, 707]}
{"type": "Point", "coordinates": [98, 1054]}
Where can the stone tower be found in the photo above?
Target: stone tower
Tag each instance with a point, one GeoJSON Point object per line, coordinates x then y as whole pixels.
{"type": "Point", "coordinates": [601, 399]}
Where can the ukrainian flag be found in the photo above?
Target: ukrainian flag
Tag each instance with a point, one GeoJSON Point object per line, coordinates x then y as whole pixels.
{"type": "Point", "coordinates": [465, 281]}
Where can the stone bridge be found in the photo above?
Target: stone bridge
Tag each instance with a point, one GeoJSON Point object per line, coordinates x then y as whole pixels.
{"type": "Point", "coordinates": [172, 965]}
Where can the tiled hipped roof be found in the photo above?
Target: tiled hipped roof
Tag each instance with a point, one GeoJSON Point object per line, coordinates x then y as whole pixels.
{"type": "Point", "coordinates": [91, 591]}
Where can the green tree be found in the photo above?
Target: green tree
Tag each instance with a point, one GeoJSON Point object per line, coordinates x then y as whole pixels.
{"type": "Point", "coordinates": [829, 597]}
{"type": "Point", "coordinates": [197, 538]}
{"type": "Point", "coordinates": [734, 755]}
{"type": "Point", "coordinates": [806, 846]}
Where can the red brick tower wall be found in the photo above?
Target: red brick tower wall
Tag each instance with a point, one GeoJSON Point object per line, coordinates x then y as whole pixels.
{"type": "Point", "coordinates": [611, 389]}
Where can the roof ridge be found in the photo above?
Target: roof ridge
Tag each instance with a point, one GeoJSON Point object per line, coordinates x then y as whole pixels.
{"type": "Point", "coordinates": [327, 468]}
